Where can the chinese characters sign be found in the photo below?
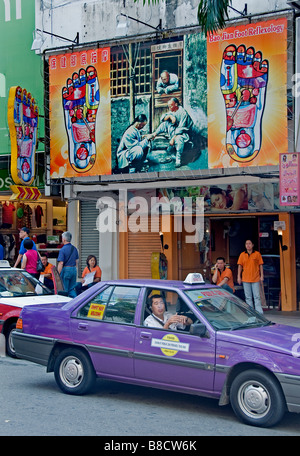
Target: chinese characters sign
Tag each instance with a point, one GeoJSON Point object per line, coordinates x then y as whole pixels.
{"type": "Point", "coordinates": [80, 117]}
{"type": "Point", "coordinates": [289, 179]}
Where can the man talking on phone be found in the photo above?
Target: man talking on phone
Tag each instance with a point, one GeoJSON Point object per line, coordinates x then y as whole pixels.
{"type": "Point", "coordinates": [223, 275]}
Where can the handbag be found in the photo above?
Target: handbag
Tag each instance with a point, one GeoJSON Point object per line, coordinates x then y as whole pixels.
{"type": "Point", "coordinates": [40, 267]}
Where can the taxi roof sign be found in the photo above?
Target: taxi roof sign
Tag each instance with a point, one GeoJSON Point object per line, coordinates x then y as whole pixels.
{"type": "Point", "coordinates": [4, 264]}
{"type": "Point", "coordinates": [194, 278]}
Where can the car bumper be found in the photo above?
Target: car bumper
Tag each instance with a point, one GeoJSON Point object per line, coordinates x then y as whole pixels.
{"type": "Point", "coordinates": [291, 389]}
{"type": "Point", "coordinates": [33, 348]}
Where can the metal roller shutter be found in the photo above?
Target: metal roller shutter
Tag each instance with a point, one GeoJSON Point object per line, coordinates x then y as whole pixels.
{"type": "Point", "coordinates": [141, 245]}
{"type": "Point", "coordinates": [89, 235]}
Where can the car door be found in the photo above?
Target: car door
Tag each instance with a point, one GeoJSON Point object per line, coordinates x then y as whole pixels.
{"type": "Point", "coordinates": [105, 325]}
{"type": "Point", "coordinates": [175, 357]}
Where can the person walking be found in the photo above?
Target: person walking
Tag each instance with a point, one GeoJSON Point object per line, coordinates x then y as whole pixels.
{"type": "Point", "coordinates": [251, 274]}
{"type": "Point", "coordinates": [67, 264]}
{"type": "Point", "coordinates": [23, 234]}
{"type": "Point", "coordinates": [30, 259]}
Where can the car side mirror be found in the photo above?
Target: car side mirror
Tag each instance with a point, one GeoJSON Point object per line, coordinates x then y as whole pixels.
{"type": "Point", "coordinates": [198, 329]}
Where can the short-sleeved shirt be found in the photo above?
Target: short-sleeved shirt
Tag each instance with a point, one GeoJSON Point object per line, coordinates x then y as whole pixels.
{"type": "Point", "coordinates": [226, 273]}
{"type": "Point", "coordinates": [97, 270]}
{"type": "Point", "coordinates": [250, 264]}
{"type": "Point", "coordinates": [68, 254]}
{"type": "Point", "coordinates": [22, 248]}
{"type": "Point", "coordinates": [48, 270]}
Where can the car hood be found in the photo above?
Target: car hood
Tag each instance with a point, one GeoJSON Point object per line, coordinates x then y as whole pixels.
{"type": "Point", "coordinates": [33, 300]}
{"type": "Point", "coordinates": [276, 337]}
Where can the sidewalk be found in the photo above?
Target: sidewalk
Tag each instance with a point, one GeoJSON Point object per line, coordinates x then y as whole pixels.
{"type": "Point", "coordinates": [284, 318]}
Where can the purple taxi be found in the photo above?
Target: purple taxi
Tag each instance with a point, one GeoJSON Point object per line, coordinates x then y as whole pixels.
{"type": "Point", "coordinates": [186, 336]}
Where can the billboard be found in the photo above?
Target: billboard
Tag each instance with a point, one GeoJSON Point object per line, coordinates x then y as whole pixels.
{"type": "Point", "coordinates": [80, 113]}
{"type": "Point", "coordinates": [247, 97]}
{"type": "Point", "coordinates": [22, 117]}
{"type": "Point", "coordinates": [185, 103]}
{"type": "Point", "coordinates": [17, 22]}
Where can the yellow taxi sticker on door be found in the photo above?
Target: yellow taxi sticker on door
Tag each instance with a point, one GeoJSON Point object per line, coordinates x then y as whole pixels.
{"type": "Point", "coordinates": [170, 345]}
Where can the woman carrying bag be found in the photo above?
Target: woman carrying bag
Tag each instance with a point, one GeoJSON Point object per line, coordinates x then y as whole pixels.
{"type": "Point", "coordinates": [30, 259]}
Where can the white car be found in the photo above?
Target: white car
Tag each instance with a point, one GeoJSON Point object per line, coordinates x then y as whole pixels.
{"type": "Point", "coordinates": [18, 289]}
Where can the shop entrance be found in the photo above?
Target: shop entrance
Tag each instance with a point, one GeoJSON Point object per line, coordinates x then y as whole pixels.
{"type": "Point", "coordinates": [225, 237]}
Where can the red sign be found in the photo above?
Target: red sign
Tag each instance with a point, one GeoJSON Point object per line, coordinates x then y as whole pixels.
{"type": "Point", "coordinates": [289, 178]}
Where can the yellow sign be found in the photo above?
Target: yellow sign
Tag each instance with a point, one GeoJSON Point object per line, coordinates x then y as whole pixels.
{"type": "Point", "coordinates": [25, 193]}
{"type": "Point", "coordinates": [22, 117]}
{"type": "Point", "coordinates": [96, 311]}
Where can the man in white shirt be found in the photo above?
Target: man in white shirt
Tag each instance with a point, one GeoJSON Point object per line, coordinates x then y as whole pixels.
{"type": "Point", "coordinates": [165, 320]}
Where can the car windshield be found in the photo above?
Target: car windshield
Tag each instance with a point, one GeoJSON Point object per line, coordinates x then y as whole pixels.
{"type": "Point", "coordinates": [16, 283]}
{"type": "Point", "coordinates": [224, 311]}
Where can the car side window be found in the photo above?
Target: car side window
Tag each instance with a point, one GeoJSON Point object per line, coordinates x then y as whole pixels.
{"type": "Point", "coordinates": [115, 303]}
{"type": "Point", "coordinates": [174, 311]}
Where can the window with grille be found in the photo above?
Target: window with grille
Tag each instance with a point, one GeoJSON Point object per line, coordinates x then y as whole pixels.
{"type": "Point", "coordinates": [120, 70]}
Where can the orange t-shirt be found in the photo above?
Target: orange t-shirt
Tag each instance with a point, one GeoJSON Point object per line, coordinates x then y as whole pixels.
{"type": "Point", "coordinates": [250, 264]}
{"type": "Point", "coordinates": [226, 273]}
{"type": "Point", "coordinates": [48, 270]}
{"type": "Point", "coordinates": [97, 273]}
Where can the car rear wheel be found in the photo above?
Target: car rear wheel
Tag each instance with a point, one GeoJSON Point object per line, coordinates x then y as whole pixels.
{"type": "Point", "coordinates": [74, 372]}
{"type": "Point", "coordinates": [10, 349]}
{"type": "Point", "coordinates": [257, 398]}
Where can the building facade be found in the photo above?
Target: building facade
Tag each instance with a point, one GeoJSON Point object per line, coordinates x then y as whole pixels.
{"type": "Point", "coordinates": [142, 109]}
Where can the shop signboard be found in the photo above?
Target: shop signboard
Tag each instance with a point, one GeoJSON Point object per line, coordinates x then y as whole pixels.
{"type": "Point", "coordinates": [289, 178]}
{"type": "Point", "coordinates": [18, 64]}
{"type": "Point", "coordinates": [22, 117]}
{"type": "Point", "coordinates": [247, 77]}
{"type": "Point", "coordinates": [190, 103]}
{"type": "Point", "coordinates": [80, 113]}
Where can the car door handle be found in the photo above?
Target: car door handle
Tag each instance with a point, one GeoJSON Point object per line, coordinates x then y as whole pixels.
{"type": "Point", "coordinates": [145, 335]}
{"type": "Point", "coordinates": [83, 326]}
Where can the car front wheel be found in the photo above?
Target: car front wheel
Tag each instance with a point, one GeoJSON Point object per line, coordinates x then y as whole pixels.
{"type": "Point", "coordinates": [257, 398]}
{"type": "Point", "coordinates": [10, 349]}
{"type": "Point", "coordinates": [74, 372]}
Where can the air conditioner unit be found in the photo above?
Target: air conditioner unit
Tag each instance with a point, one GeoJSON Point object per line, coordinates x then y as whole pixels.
{"type": "Point", "coordinates": [294, 4]}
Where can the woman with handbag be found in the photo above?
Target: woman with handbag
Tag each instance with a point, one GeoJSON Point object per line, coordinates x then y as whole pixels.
{"type": "Point", "coordinates": [30, 259]}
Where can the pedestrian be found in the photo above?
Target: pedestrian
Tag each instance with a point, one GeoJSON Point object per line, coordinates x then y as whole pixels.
{"type": "Point", "coordinates": [251, 274]}
{"type": "Point", "coordinates": [30, 259]}
{"type": "Point", "coordinates": [90, 275]}
{"type": "Point", "coordinates": [223, 275]}
{"type": "Point", "coordinates": [47, 273]}
{"type": "Point", "coordinates": [23, 234]}
{"type": "Point", "coordinates": [67, 264]}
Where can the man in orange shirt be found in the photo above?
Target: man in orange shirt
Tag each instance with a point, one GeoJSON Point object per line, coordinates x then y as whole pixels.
{"type": "Point", "coordinates": [251, 273]}
{"type": "Point", "coordinates": [47, 273]}
{"type": "Point", "coordinates": [223, 276]}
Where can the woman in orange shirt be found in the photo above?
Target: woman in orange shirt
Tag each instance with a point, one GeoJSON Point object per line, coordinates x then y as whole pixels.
{"type": "Point", "coordinates": [91, 266]}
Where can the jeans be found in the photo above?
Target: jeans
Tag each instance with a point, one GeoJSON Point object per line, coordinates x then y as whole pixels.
{"type": "Point", "coordinates": [69, 279]}
{"type": "Point", "coordinates": [227, 287]}
{"type": "Point", "coordinates": [252, 291]}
